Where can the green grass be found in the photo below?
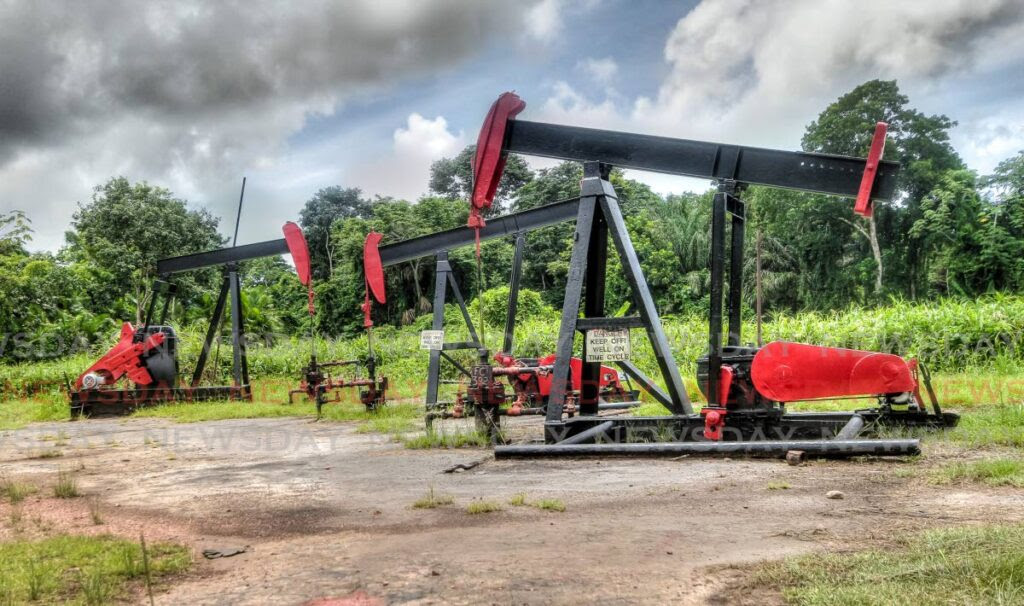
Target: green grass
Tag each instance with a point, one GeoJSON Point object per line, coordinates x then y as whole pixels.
{"type": "Point", "coordinates": [995, 472]}
{"type": "Point", "coordinates": [980, 565]}
{"type": "Point", "coordinates": [432, 500]}
{"type": "Point", "coordinates": [549, 505]}
{"type": "Point", "coordinates": [393, 419]}
{"type": "Point", "coordinates": [66, 486]}
{"type": "Point", "coordinates": [79, 569]}
{"type": "Point", "coordinates": [518, 500]}
{"type": "Point", "coordinates": [15, 491]}
{"type": "Point", "coordinates": [477, 507]}
{"type": "Point", "coordinates": [436, 438]}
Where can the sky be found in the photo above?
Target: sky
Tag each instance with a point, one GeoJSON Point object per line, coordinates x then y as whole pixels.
{"type": "Point", "coordinates": [193, 95]}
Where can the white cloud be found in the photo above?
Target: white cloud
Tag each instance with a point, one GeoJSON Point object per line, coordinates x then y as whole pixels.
{"type": "Point", "coordinates": [544, 20]}
{"type": "Point", "coordinates": [405, 170]}
{"type": "Point", "coordinates": [757, 71]}
{"type": "Point", "coordinates": [192, 95]}
{"type": "Point", "coordinates": [601, 70]}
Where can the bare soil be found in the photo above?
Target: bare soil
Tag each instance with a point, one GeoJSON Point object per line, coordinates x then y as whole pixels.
{"type": "Point", "coordinates": [327, 516]}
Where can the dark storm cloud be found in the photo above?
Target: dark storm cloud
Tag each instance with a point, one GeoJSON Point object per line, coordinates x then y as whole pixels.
{"type": "Point", "coordinates": [67, 67]}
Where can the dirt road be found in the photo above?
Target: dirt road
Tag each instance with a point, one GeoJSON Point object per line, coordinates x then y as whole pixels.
{"type": "Point", "coordinates": [326, 512]}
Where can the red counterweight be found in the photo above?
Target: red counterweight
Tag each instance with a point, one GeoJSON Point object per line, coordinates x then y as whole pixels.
{"type": "Point", "coordinates": [124, 358]}
{"type": "Point", "coordinates": [789, 372]}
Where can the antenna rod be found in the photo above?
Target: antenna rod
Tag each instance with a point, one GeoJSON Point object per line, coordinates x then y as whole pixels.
{"type": "Point", "coordinates": [238, 218]}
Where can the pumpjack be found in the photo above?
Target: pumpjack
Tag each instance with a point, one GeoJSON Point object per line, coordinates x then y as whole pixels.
{"type": "Point", "coordinates": [747, 387]}
{"type": "Point", "coordinates": [317, 384]}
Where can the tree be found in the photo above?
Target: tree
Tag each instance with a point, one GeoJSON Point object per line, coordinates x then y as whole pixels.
{"type": "Point", "coordinates": [453, 178]}
{"type": "Point", "coordinates": [920, 143]}
{"type": "Point", "coordinates": [122, 233]}
{"type": "Point", "coordinates": [15, 232]}
{"type": "Point", "coordinates": [319, 214]}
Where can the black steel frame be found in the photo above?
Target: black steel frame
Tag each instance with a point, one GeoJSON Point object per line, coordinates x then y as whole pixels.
{"type": "Point", "coordinates": [121, 400]}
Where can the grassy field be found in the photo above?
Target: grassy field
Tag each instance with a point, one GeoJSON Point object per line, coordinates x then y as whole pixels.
{"type": "Point", "coordinates": [983, 565]}
{"type": "Point", "coordinates": [81, 570]}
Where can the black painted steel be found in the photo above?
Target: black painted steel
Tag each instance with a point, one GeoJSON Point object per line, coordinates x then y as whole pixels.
{"type": "Point", "coordinates": [513, 293]}
{"type": "Point", "coordinates": [826, 448]}
{"type": "Point", "coordinates": [589, 435]}
{"type": "Point", "coordinates": [609, 323]}
{"type": "Point", "coordinates": [241, 358]}
{"type": "Point", "coordinates": [496, 227]}
{"type": "Point", "coordinates": [736, 272]}
{"type": "Point", "coordinates": [211, 332]}
{"type": "Point", "coordinates": [646, 383]}
{"type": "Point", "coordinates": [571, 307]}
{"type": "Point", "coordinates": [594, 176]}
{"type": "Point", "coordinates": [820, 173]}
{"type": "Point", "coordinates": [718, 204]}
{"type": "Point", "coordinates": [221, 256]}
{"type": "Point", "coordinates": [680, 402]}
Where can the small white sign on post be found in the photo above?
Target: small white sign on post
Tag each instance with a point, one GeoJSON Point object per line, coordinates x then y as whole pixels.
{"type": "Point", "coordinates": [608, 345]}
{"type": "Point", "coordinates": [432, 339]}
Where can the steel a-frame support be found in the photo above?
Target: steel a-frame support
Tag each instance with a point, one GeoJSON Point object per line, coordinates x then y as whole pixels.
{"type": "Point", "coordinates": [726, 201]}
{"type": "Point", "coordinates": [598, 217]}
{"type": "Point", "coordinates": [443, 279]}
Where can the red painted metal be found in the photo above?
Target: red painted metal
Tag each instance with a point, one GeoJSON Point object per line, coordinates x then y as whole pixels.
{"type": "Point", "coordinates": [124, 359]}
{"type": "Point", "coordinates": [373, 275]}
{"type": "Point", "coordinates": [297, 246]}
{"type": "Point", "coordinates": [373, 268]}
{"type": "Point", "coordinates": [789, 372]}
{"type": "Point", "coordinates": [489, 162]}
{"type": "Point", "coordinates": [863, 206]}
{"type": "Point", "coordinates": [609, 377]}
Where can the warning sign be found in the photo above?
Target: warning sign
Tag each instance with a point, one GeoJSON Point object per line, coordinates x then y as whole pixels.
{"type": "Point", "coordinates": [432, 339]}
{"type": "Point", "coordinates": [608, 345]}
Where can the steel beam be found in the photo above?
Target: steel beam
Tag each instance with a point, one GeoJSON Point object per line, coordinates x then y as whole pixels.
{"type": "Point", "coordinates": [819, 173]}
{"type": "Point", "coordinates": [497, 227]}
{"type": "Point", "coordinates": [221, 256]}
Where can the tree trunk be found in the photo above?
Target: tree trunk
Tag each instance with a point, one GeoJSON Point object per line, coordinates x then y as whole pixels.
{"type": "Point", "coordinates": [876, 250]}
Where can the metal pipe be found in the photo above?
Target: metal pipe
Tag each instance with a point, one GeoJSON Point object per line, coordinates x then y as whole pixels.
{"type": "Point", "coordinates": [589, 434]}
{"type": "Point", "coordinates": [852, 428]}
{"type": "Point", "coordinates": [778, 448]}
{"type": "Point", "coordinates": [617, 405]}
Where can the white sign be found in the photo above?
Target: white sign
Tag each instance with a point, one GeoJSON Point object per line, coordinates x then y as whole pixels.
{"type": "Point", "coordinates": [432, 339]}
{"type": "Point", "coordinates": [608, 345]}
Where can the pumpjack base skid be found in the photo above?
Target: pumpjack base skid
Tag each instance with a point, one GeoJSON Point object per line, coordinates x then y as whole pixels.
{"type": "Point", "coordinates": [742, 426]}
{"type": "Point", "coordinates": [760, 433]}
{"type": "Point", "coordinates": [112, 402]}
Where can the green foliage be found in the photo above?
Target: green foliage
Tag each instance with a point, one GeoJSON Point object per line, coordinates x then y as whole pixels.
{"type": "Point", "coordinates": [122, 233]}
{"type": "Point", "coordinates": [327, 206]}
{"type": "Point", "coordinates": [80, 569]}
{"type": "Point", "coordinates": [453, 177]}
{"type": "Point", "coordinates": [969, 565]}
{"type": "Point", "coordinates": [995, 472]}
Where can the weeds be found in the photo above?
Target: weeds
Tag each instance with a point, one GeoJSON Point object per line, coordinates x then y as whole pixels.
{"type": "Point", "coordinates": [66, 486]}
{"type": "Point", "coordinates": [778, 486]}
{"type": "Point", "coordinates": [973, 565]}
{"type": "Point", "coordinates": [994, 472]}
{"type": "Point", "coordinates": [477, 507]}
{"type": "Point", "coordinates": [80, 569]}
{"type": "Point", "coordinates": [15, 491]}
{"type": "Point", "coordinates": [433, 438]}
{"type": "Point", "coordinates": [550, 505]}
{"type": "Point", "coordinates": [518, 500]}
{"type": "Point", "coordinates": [94, 511]}
{"type": "Point", "coordinates": [432, 500]}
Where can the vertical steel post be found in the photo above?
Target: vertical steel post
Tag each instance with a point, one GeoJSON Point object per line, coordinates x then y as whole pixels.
{"type": "Point", "coordinates": [241, 360]}
{"type": "Point", "coordinates": [735, 306]}
{"type": "Point", "coordinates": [440, 289]}
{"type": "Point", "coordinates": [718, 205]}
{"type": "Point", "coordinates": [513, 293]}
{"type": "Point", "coordinates": [560, 379]}
{"type": "Point", "coordinates": [593, 302]}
